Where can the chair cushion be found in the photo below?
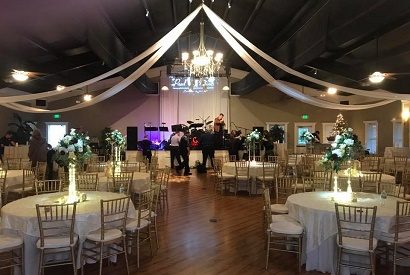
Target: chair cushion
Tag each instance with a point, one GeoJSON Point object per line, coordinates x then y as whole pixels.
{"type": "Point", "coordinates": [227, 176]}
{"type": "Point", "coordinates": [279, 208]}
{"type": "Point", "coordinates": [242, 177]}
{"type": "Point", "coordinates": [357, 244]}
{"type": "Point", "coordinates": [132, 225]}
{"type": "Point", "coordinates": [57, 242]}
{"type": "Point", "coordinates": [109, 235]}
{"type": "Point", "coordinates": [282, 218]}
{"type": "Point", "coordinates": [268, 178]}
{"type": "Point", "coordinates": [9, 241]}
{"type": "Point", "coordinates": [286, 227]}
{"type": "Point", "coordinates": [299, 186]}
{"type": "Point", "coordinates": [404, 237]}
{"type": "Point", "coordinates": [20, 189]}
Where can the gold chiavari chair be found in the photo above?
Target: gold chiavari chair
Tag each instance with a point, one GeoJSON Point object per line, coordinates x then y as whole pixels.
{"type": "Point", "coordinates": [13, 163]}
{"type": "Point", "coordinates": [138, 231]}
{"type": "Point", "coordinates": [154, 211]}
{"type": "Point", "coordinates": [400, 165]}
{"type": "Point", "coordinates": [63, 177]}
{"type": "Point", "coordinates": [370, 181]}
{"type": "Point", "coordinates": [223, 180]}
{"type": "Point", "coordinates": [322, 180]}
{"type": "Point", "coordinates": [370, 163]}
{"type": "Point", "coordinates": [292, 162]}
{"type": "Point", "coordinates": [96, 167]}
{"type": "Point", "coordinates": [256, 158]}
{"type": "Point", "coordinates": [397, 242]}
{"type": "Point", "coordinates": [273, 159]}
{"type": "Point", "coordinates": [25, 164]}
{"type": "Point", "coordinates": [56, 225]}
{"type": "Point", "coordinates": [163, 196]}
{"type": "Point", "coordinates": [242, 175]}
{"type": "Point", "coordinates": [47, 186]}
{"type": "Point", "coordinates": [284, 233]}
{"type": "Point", "coordinates": [391, 189]}
{"type": "Point", "coordinates": [355, 226]}
{"type": "Point", "coordinates": [405, 185]}
{"type": "Point", "coordinates": [131, 167]}
{"type": "Point", "coordinates": [232, 158]}
{"type": "Point", "coordinates": [284, 187]}
{"type": "Point", "coordinates": [121, 182]}
{"type": "Point", "coordinates": [342, 184]}
{"type": "Point", "coordinates": [270, 171]}
{"type": "Point", "coordinates": [3, 178]}
{"type": "Point", "coordinates": [87, 182]}
{"type": "Point", "coordinates": [27, 186]}
{"type": "Point", "coordinates": [111, 236]}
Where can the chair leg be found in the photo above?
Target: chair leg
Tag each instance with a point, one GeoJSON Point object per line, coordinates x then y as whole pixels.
{"type": "Point", "coordinates": [40, 266]}
{"type": "Point", "coordinates": [267, 251]}
{"type": "Point", "coordinates": [373, 263]}
{"type": "Point", "coordinates": [125, 254]}
{"type": "Point", "coordinates": [300, 254]}
{"type": "Point", "coordinates": [22, 260]}
{"type": "Point", "coordinates": [394, 258]}
{"type": "Point", "coordinates": [101, 257]}
{"type": "Point", "coordinates": [150, 241]}
{"type": "Point", "coordinates": [339, 258]}
{"type": "Point", "coordinates": [138, 249]}
{"type": "Point", "coordinates": [82, 263]}
{"type": "Point", "coordinates": [73, 259]}
{"type": "Point", "coordinates": [156, 232]}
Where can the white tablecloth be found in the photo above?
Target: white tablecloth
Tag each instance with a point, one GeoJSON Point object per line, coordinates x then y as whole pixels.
{"type": "Point", "coordinates": [14, 177]}
{"type": "Point", "coordinates": [255, 169]}
{"type": "Point", "coordinates": [316, 212]}
{"type": "Point", "coordinates": [20, 217]}
{"type": "Point", "coordinates": [140, 182]}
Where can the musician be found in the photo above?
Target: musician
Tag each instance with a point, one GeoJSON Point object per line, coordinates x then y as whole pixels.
{"type": "Point", "coordinates": [184, 151]}
{"type": "Point", "coordinates": [174, 149]}
{"type": "Point", "coordinates": [219, 130]}
{"type": "Point", "coordinates": [207, 142]}
{"type": "Point", "coordinates": [316, 136]}
{"type": "Point", "coordinates": [235, 143]}
{"type": "Point", "coordinates": [146, 148]}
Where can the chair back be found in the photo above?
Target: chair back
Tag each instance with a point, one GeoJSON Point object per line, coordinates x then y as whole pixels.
{"type": "Point", "coordinates": [342, 184]}
{"type": "Point", "coordinates": [370, 181]}
{"type": "Point", "coordinates": [56, 220]}
{"type": "Point", "coordinates": [285, 186]}
{"type": "Point", "coordinates": [40, 170]}
{"type": "Point", "coordinates": [130, 167]}
{"type": "Point", "coordinates": [165, 177]}
{"type": "Point", "coordinates": [26, 164]}
{"type": "Point", "coordinates": [322, 180]}
{"type": "Point", "coordinates": [242, 169]}
{"type": "Point", "coordinates": [87, 182]}
{"type": "Point", "coordinates": [402, 224]}
{"type": "Point", "coordinates": [270, 171]}
{"type": "Point", "coordinates": [155, 198]}
{"type": "Point", "coordinates": [47, 186]}
{"type": "Point", "coordinates": [13, 164]}
{"type": "Point", "coordinates": [370, 163]}
{"type": "Point", "coordinates": [232, 158]}
{"type": "Point", "coordinates": [114, 214]}
{"type": "Point", "coordinates": [256, 158]}
{"type": "Point", "coordinates": [144, 205]}
{"type": "Point", "coordinates": [400, 163]}
{"type": "Point", "coordinates": [355, 222]}
{"type": "Point", "coordinates": [29, 178]}
{"type": "Point", "coordinates": [391, 189]}
{"type": "Point", "coordinates": [122, 180]}
{"type": "Point", "coordinates": [267, 202]}
{"type": "Point", "coordinates": [3, 178]}
{"type": "Point", "coordinates": [96, 167]}
{"type": "Point", "coordinates": [273, 159]}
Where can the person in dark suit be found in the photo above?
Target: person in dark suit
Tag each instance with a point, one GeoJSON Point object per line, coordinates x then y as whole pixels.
{"type": "Point", "coordinates": [184, 151]}
{"type": "Point", "coordinates": [207, 142]}
{"type": "Point", "coordinates": [7, 140]}
{"type": "Point", "coordinates": [146, 148]}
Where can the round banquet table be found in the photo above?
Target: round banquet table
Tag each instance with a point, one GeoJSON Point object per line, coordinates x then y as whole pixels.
{"type": "Point", "coordinates": [255, 169]}
{"type": "Point", "coordinates": [316, 212]}
{"type": "Point", "coordinates": [20, 217]}
{"type": "Point", "coordinates": [14, 178]}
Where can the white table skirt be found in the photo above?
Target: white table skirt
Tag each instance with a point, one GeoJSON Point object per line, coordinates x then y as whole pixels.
{"type": "Point", "coordinates": [20, 217]}
{"type": "Point", "coordinates": [316, 212]}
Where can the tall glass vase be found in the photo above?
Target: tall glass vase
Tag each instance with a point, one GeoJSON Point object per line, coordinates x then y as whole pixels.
{"type": "Point", "coordinates": [335, 188]}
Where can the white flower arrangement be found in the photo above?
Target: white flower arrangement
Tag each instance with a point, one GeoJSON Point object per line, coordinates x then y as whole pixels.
{"type": "Point", "coordinates": [76, 142]}
{"type": "Point", "coordinates": [307, 136]}
{"type": "Point", "coordinates": [116, 139]}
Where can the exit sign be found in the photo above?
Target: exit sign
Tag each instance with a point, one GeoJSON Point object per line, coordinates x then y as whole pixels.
{"type": "Point", "coordinates": [305, 116]}
{"type": "Point", "coordinates": [57, 116]}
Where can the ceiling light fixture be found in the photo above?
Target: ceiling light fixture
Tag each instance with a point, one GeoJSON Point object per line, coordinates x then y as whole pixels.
{"type": "Point", "coordinates": [164, 88]}
{"type": "Point", "coordinates": [204, 64]}
{"type": "Point", "coordinates": [376, 77]}
{"type": "Point", "coordinates": [225, 88]}
{"type": "Point", "coordinates": [146, 12]}
{"type": "Point", "coordinates": [87, 97]}
{"type": "Point", "coordinates": [60, 88]}
{"type": "Point", "coordinates": [20, 75]}
{"type": "Point", "coordinates": [331, 90]}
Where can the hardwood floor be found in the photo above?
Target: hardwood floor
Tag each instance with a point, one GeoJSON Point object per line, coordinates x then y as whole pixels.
{"type": "Point", "coordinates": [206, 233]}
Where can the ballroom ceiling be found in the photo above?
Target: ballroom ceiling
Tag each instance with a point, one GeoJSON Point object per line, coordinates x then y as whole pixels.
{"type": "Point", "coordinates": [341, 41]}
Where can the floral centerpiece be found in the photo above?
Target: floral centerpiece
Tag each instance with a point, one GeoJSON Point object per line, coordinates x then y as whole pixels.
{"type": "Point", "coordinates": [76, 143]}
{"type": "Point", "coordinates": [251, 140]}
{"type": "Point", "coordinates": [343, 149]}
{"type": "Point", "coordinates": [307, 136]}
{"type": "Point", "coordinates": [117, 142]}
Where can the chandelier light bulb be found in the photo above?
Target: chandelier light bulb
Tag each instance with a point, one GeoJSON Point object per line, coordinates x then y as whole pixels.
{"type": "Point", "coordinates": [376, 77]}
{"type": "Point", "coordinates": [195, 53]}
{"type": "Point", "coordinates": [20, 75]}
{"type": "Point", "coordinates": [87, 97]}
{"type": "Point", "coordinates": [185, 56]}
{"type": "Point", "coordinates": [219, 57]}
{"type": "Point", "coordinates": [331, 90]}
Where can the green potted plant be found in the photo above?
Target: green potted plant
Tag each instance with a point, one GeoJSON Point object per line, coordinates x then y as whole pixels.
{"type": "Point", "coordinates": [277, 134]}
{"type": "Point", "coordinates": [23, 129]}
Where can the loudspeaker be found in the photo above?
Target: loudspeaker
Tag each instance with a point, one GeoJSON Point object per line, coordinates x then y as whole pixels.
{"type": "Point", "coordinates": [259, 128]}
{"type": "Point", "coordinates": [41, 102]}
{"type": "Point", "coordinates": [132, 138]}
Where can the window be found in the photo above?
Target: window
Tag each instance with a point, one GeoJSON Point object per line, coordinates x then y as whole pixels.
{"type": "Point", "coordinates": [55, 132]}
{"type": "Point", "coordinates": [300, 128]}
{"type": "Point", "coordinates": [371, 133]}
{"type": "Point", "coordinates": [283, 125]}
{"type": "Point", "coordinates": [397, 133]}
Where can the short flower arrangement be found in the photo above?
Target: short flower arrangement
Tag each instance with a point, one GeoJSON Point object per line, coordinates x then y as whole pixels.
{"type": "Point", "coordinates": [344, 148]}
{"type": "Point", "coordinates": [76, 142]}
{"type": "Point", "coordinates": [253, 137]}
{"type": "Point", "coordinates": [116, 139]}
{"type": "Point", "coordinates": [307, 136]}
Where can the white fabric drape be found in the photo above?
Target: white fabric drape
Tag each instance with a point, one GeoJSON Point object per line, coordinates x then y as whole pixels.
{"type": "Point", "coordinates": [163, 41]}
{"type": "Point", "coordinates": [277, 84]}
{"type": "Point", "coordinates": [381, 94]}
{"type": "Point", "coordinates": [121, 85]}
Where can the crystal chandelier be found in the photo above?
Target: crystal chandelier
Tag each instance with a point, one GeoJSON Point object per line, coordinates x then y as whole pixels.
{"type": "Point", "coordinates": [204, 64]}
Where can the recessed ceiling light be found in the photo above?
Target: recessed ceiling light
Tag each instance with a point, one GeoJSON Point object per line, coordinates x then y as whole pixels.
{"type": "Point", "coordinates": [376, 77]}
{"type": "Point", "coordinates": [331, 90]}
{"type": "Point", "coordinates": [87, 97]}
{"type": "Point", "coordinates": [60, 88]}
{"type": "Point", "coordinates": [20, 75]}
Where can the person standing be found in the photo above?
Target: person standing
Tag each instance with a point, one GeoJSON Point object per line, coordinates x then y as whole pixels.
{"type": "Point", "coordinates": [146, 148]}
{"type": "Point", "coordinates": [184, 151]}
{"type": "Point", "coordinates": [174, 149]}
{"type": "Point", "coordinates": [6, 141]}
{"type": "Point", "coordinates": [207, 142]}
{"type": "Point", "coordinates": [219, 124]}
{"type": "Point", "coordinates": [37, 150]}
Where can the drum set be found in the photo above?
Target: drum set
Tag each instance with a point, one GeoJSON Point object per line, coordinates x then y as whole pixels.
{"type": "Point", "coordinates": [197, 129]}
